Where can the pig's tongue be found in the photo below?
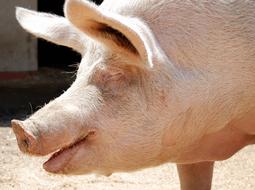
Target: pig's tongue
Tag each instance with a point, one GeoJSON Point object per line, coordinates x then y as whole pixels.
{"type": "Point", "coordinates": [59, 160]}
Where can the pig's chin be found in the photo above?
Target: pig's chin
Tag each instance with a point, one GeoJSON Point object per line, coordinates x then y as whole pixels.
{"type": "Point", "coordinates": [59, 160]}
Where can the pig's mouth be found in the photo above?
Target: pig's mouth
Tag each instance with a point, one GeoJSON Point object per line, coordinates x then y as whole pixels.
{"type": "Point", "coordinates": [59, 160]}
{"type": "Point", "coordinates": [60, 151]}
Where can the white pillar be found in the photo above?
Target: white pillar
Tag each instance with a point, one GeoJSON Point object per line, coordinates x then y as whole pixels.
{"type": "Point", "coordinates": [18, 49]}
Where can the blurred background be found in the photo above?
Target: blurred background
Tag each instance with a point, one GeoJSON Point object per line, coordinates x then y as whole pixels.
{"type": "Point", "coordinates": [32, 71]}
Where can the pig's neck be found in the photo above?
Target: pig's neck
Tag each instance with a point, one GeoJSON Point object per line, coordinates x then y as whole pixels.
{"type": "Point", "coordinates": [204, 100]}
{"type": "Point", "coordinates": [202, 105]}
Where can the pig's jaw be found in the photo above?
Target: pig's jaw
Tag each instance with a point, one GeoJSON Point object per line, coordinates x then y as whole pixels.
{"type": "Point", "coordinates": [59, 160]}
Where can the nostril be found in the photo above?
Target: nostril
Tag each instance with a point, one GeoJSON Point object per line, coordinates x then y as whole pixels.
{"type": "Point", "coordinates": [25, 143]}
{"type": "Point", "coordinates": [25, 139]}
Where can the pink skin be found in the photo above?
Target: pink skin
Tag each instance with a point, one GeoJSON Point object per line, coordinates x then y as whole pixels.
{"type": "Point", "coordinates": [131, 106]}
{"type": "Point", "coordinates": [98, 142]}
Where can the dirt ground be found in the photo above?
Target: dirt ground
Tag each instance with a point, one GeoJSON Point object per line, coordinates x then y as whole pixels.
{"type": "Point", "coordinates": [18, 171]}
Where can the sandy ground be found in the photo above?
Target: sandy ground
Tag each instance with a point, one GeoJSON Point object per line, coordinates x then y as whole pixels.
{"type": "Point", "coordinates": [18, 171]}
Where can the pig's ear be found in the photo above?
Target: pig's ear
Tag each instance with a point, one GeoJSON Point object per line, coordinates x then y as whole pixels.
{"type": "Point", "coordinates": [50, 27]}
{"type": "Point", "coordinates": [117, 32]}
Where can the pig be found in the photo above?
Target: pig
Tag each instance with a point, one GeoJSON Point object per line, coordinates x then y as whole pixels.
{"type": "Point", "coordinates": [159, 81]}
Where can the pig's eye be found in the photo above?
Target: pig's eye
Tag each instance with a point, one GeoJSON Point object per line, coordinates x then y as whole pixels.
{"type": "Point", "coordinates": [111, 77]}
{"type": "Point", "coordinates": [113, 81]}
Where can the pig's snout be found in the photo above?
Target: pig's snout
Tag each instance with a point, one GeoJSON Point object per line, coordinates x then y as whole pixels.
{"type": "Point", "coordinates": [26, 140]}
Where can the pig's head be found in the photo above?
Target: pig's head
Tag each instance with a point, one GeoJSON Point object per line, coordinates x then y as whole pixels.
{"type": "Point", "coordinates": [114, 116]}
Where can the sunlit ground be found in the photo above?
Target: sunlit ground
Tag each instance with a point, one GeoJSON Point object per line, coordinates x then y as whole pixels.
{"type": "Point", "coordinates": [18, 171]}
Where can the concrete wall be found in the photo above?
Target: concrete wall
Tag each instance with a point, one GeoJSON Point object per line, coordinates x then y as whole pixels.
{"type": "Point", "coordinates": [18, 49]}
